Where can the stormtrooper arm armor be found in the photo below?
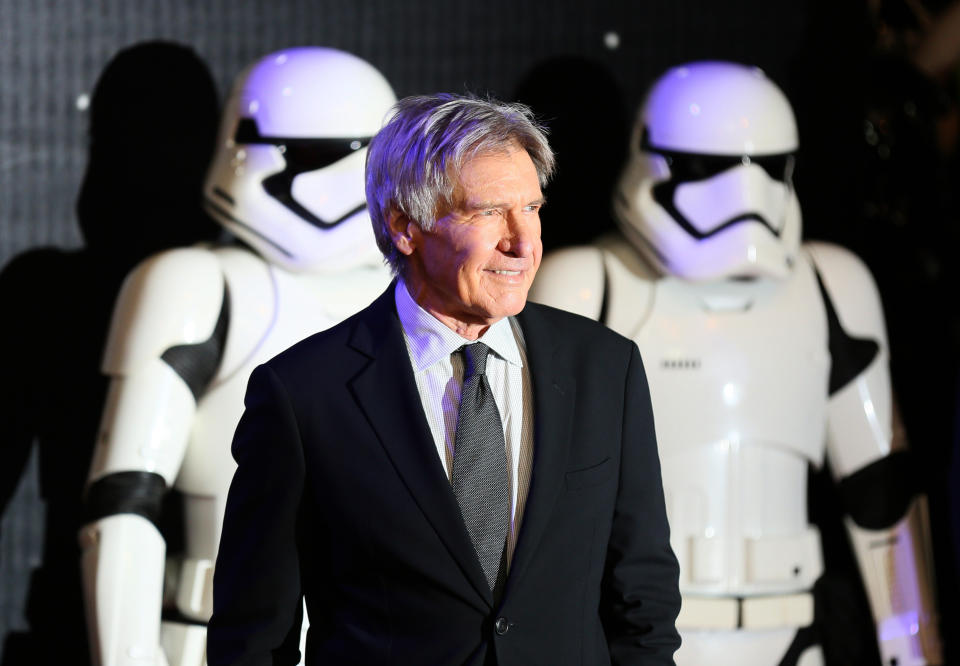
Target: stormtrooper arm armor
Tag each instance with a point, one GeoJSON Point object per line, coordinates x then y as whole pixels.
{"type": "Point", "coordinates": [164, 347]}
{"type": "Point", "coordinates": [886, 518]}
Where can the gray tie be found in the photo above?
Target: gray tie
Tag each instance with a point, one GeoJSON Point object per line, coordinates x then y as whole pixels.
{"type": "Point", "coordinates": [480, 467]}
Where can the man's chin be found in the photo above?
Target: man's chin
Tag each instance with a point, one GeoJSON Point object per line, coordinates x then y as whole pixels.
{"type": "Point", "coordinates": [510, 305]}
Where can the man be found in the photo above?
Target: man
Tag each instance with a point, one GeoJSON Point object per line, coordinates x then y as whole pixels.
{"type": "Point", "coordinates": [437, 501]}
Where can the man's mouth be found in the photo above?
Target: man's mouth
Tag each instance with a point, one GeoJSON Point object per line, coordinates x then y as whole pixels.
{"type": "Point", "coordinates": [499, 272]}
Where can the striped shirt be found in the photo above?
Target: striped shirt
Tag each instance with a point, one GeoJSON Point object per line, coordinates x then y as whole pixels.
{"type": "Point", "coordinates": [439, 377]}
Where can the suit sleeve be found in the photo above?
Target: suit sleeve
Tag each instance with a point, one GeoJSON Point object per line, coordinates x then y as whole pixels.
{"type": "Point", "coordinates": [640, 595]}
{"type": "Point", "coordinates": [256, 585]}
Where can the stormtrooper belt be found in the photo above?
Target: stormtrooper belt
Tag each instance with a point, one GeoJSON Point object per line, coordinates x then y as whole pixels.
{"type": "Point", "coordinates": [763, 612]}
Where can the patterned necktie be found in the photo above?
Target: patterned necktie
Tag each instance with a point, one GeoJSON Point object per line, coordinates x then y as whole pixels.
{"type": "Point", "coordinates": [480, 467]}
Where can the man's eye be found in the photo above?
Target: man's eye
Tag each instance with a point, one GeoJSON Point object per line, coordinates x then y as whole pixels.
{"type": "Point", "coordinates": [532, 208]}
{"type": "Point", "coordinates": [488, 213]}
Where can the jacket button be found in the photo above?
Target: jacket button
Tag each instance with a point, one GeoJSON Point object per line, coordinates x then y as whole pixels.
{"type": "Point", "coordinates": [501, 626]}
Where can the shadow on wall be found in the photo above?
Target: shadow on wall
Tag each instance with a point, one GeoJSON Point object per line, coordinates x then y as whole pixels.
{"type": "Point", "coordinates": [153, 122]}
{"type": "Point", "coordinates": [582, 105]}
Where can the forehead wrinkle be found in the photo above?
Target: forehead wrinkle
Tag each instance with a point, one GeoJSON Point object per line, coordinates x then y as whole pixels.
{"type": "Point", "coordinates": [458, 195]}
{"type": "Point", "coordinates": [484, 204]}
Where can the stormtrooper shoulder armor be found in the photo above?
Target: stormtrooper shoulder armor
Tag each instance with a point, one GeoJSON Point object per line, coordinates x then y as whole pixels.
{"type": "Point", "coordinates": [572, 279]}
{"type": "Point", "coordinates": [172, 301]}
{"type": "Point", "coordinates": [860, 412]}
{"type": "Point", "coordinates": [852, 290]}
{"type": "Point", "coordinates": [861, 442]}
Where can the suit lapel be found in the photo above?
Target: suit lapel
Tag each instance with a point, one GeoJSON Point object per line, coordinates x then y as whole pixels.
{"type": "Point", "coordinates": [387, 393]}
{"type": "Point", "coordinates": [554, 390]}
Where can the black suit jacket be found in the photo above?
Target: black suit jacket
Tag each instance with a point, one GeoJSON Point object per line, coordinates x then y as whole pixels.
{"type": "Point", "coordinates": [340, 496]}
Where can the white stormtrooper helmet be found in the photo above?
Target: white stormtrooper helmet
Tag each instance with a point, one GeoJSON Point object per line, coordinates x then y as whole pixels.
{"type": "Point", "coordinates": [287, 175]}
{"type": "Point", "coordinates": [707, 191]}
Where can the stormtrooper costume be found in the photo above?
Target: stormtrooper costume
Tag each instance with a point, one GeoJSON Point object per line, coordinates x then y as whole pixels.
{"type": "Point", "coordinates": [191, 324]}
{"type": "Point", "coordinates": [764, 355]}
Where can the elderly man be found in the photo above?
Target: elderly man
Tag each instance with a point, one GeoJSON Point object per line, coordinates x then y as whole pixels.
{"type": "Point", "coordinates": [452, 475]}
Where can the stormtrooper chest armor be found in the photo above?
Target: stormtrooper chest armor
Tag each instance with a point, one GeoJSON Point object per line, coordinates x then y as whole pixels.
{"type": "Point", "coordinates": [738, 375]}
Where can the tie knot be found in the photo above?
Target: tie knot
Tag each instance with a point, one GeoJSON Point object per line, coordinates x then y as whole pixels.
{"type": "Point", "coordinates": [475, 359]}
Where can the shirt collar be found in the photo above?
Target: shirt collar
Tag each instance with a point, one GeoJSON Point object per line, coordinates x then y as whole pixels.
{"type": "Point", "coordinates": [430, 340]}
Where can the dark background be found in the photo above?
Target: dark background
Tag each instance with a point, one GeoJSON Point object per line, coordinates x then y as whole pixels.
{"type": "Point", "coordinates": [583, 65]}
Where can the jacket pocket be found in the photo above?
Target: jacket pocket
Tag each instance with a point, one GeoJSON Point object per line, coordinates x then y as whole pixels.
{"type": "Point", "coordinates": [590, 476]}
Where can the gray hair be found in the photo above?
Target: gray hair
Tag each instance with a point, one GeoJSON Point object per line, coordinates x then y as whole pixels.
{"type": "Point", "coordinates": [414, 161]}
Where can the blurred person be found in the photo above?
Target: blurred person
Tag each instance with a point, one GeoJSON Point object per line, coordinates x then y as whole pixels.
{"type": "Point", "coordinates": [766, 357]}
{"type": "Point", "coordinates": [190, 324]}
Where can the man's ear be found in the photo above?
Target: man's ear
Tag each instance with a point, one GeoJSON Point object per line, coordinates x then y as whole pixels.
{"type": "Point", "coordinates": [402, 231]}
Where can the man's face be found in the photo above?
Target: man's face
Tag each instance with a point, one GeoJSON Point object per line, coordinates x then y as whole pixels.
{"type": "Point", "coordinates": [477, 263]}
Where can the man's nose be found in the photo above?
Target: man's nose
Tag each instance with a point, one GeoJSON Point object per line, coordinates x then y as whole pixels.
{"type": "Point", "coordinates": [521, 234]}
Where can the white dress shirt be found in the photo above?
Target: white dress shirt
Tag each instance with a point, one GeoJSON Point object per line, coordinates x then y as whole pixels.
{"type": "Point", "coordinates": [439, 377]}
